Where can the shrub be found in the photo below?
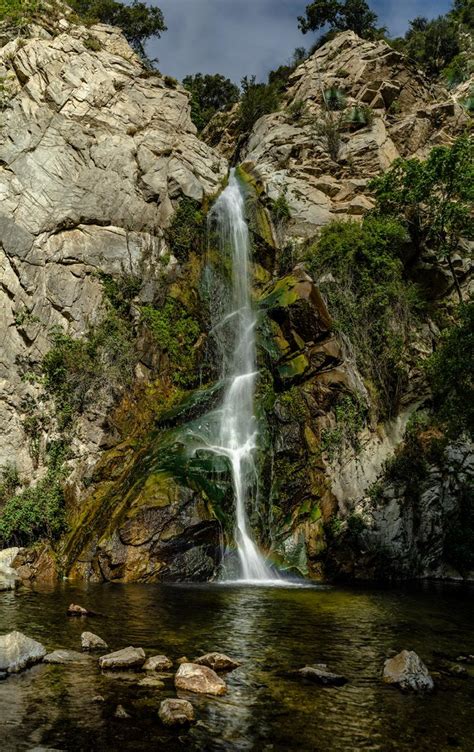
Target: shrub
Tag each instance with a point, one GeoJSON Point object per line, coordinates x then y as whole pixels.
{"type": "Point", "coordinates": [257, 100]}
{"type": "Point", "coordinates": [187, 231]}
{"type": "Point", "coordinates": [92, 43]}
{"type": "Point", "coordinates": [209, 94]}
{"type": "Point", "coordinates": [371, 302]}
{"type": "Point", "coordinates": [9, 482]}
{"type": "Point", "coordinates": [350, 415]}
{"type": "Point", "coordinates": [297, 110]}
{"type": "Point", "coordinates": [334, 99]}
{"type": "Point", "coordinates": [329, 129]}
{"type": "Point", "coordinates": [18, 12]}
{"type": "Point", "coordinates": [360, 116]}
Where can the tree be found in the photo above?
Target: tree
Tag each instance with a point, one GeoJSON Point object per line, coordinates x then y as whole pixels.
{"type": "Point", "coordinates": [339, 15]}
{"type": "Point", "coordinates": [433, 198]}
{"type": "Point", "coordinates": [209, 93]}
{"type": "Point", "coordinates": [432, 44]}
{"type": "Point", "coordinates": [257, 100]}
{"type": "Point", "coordinates": [138, 21]}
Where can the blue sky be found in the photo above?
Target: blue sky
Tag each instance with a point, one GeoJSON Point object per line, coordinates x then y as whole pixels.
{"type": "Point", "coordinates": [242, 37]}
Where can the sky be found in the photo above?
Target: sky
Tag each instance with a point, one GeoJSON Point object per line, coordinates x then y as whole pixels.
{"type": "Point", "coordinates": [245, 37]}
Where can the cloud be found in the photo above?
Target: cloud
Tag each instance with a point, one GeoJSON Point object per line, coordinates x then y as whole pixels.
{"type": "Point", "coordinates": [243, 37]}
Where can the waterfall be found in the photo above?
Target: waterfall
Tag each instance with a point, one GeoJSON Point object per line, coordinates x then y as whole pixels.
{"type": "Point", "coordinates": [234, 330]}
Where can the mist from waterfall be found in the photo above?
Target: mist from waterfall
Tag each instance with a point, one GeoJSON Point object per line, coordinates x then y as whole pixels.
{"type": "Point", "coordinates": [234, 332]}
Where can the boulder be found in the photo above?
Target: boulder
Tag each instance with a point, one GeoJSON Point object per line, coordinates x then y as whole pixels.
{"type": "Point", "coordinates": [157, 663]}
{"type": "Point", "coordinates": [174, 712]}
{"type": "Point", "coordinates": [17, 651]}
{"type": "Point", "coordinates": [8, 575]}
{"type": "Point", "coordinates": [63, 656]}
{"type": "Point", "coordinates": [407, 671]}
{"type": "Point", "coordinates": [120, 712]}
{"type": "Point", "coordinates": [201, 679]}
{"type": "Point", "coordinates": [319, 674]}
{"type": "Point", "coordinates": [217, 661]}
{"type": "Point", "coordinates": [126, 658]}
{"type": "Point", "coordinates": [91, 641]}
{"type": "Point", "coordinates": [75, 610]}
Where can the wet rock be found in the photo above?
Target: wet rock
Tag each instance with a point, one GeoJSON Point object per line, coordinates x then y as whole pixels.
{"type": "Point", "coordinates": [75, 610]}
{"type": "Point", "coordinates": [98, 698]}
{"type": "Point", "coordinates": [17, 651]}
{"type": "Point", "coordinates": [91, 641]}
{"type": "Point", "coordinates": [8, 575]}
{"type": "Point", "coordinates": [157, 663]}
{"type": "Point", "coordinates": [454, 669]}
{"type": "Point", "coordinates": [174, 712]}
{"type": "Point", "coordinates": [36, 565]}
{"type": "Point", "coordinates": [120, 712]}
{"type": "Point", "coordinates": [181, 660]}
{"type": "Point", "coordinates": [407, 671]}
{"type": "Point", "coordinates": [217, 661]}
{"type": "Point", "coordinates": [201, 679]}
{"type": "Point", "coordinates": [63, 656]}
{"type": "Point", "coordinates": [128, 658]}
{"type": "Point", "coordinates": [319, 674]}
{"type": "Point", "coordinates": [3, 675]}
{"type": "Point", "coordinates": [151, 681]}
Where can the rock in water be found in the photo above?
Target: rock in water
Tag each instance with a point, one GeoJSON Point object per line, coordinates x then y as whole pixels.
{"type": "Point", "coordinates": [320, 675]}
{"type": "Point", "coordinates": [8, 575]}
{"type": "Point", "coordinates": [126, 658]}
{"type": "Point", "coordinates": [408, 671]}
{"type": "Point", "coordinates": [120, 712]}
{"type": "Point", "coordinates": [64, 656]}
{"type": "Point", "coordinates": [217, 661]}
{"type": "Point", "coordinates": [200, 679]}
{"type": "Point", "coordinates": [175, 712]}
{"type": "Point", "coordinates": [75, 610]}
{"type": "Point", "coordinates": [17, 651]}
{"type": "Point", "coordinates": [91, 641]}
{"type": "Point", "coordinates": [157, 663]}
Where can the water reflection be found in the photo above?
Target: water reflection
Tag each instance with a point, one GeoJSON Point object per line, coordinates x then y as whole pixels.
{"type": "Point", "coordinates": [271, 630]}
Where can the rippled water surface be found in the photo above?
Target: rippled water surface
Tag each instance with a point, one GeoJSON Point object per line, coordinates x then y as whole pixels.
{"type": "Point", "coordinates": [272, 630]}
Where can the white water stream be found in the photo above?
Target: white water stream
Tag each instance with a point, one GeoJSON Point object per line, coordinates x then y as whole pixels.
{"type": "Point", "coordinates": [237, 426]}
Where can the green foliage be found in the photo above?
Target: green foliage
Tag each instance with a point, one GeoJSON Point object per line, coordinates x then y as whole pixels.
{"type": "Point", "coordinates": [458, 70]}
{"type": "Point", "coordinates": [209, 94]}
{"type": "Point", "coordinates": [451, 374]}
{"type": "Point", "coordinates": [339, 16]}
{"type": "Point", "coordinates": [329, 129]}
{"type": "Point", "coordinates": [350, 414]}
{"type": "Point", "coordinates": [9, 482]}
{"type": "Point", "coordinates": [120, 291]}
{"type": "Point", "coordinates": [18, 12]}
{"type": "Point", "coordinates": [78, 372]}
{"type": "Point", "coordinates": [280, 209]}
{"type": "Point", "coordinates": [432, 197]}
{"type": "Point", "coordinates": [187, 231]}
{"type": "Point", "coordinates": [279, 77]}
{"type": "Point", "coordinates": [360, 116]}
{"type": "Point", "coordinates": [176, 333]}
{"type": "Point", "coordinates": [297, 110]}
{"type": "Point", "coordinates": [257, 100]}
{"type": "Point", "coordinates": [138, 21]}
{"type": "Point", "coordinates": [170, 82]}
{"type": "Point", "coordinates": [371, 302]}
{"type": "Point", "coordinates": [92, 43]}
{"type": "Point", "coordinates": [37, 511]}
{"type": "Point", "coordinates": [334, 99]}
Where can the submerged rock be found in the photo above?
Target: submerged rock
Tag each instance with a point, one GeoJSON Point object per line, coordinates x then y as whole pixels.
{"type": "Point", "coordinates": [408, 671]}
{"type": "Point", "coordinates": [157, 663]}
{"type": "Point", "coordinates": [63, 656]}
{"type": "Point", "coordinates": [319, 674]}
{"type": "Point", "coordinates": [151, 681]}
{"type": "Point", "coordinates": [120, 712]}
{"type": "Point", "coordinates": [126, 658]}
{"type": "Point", "coordinates": [200, 679]}
{"type": "Point", "coordinates": [217, 661]}
{"type": "Point", "coordinates": [91, 641]}
{"type": "Point", "coordinates": [174, 712]}
{"type": "Point", "coordinates": [75, 610]}
{"type": "Point", "coordinates": [17, 651]}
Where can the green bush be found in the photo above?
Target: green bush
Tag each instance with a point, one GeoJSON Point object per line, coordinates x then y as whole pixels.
{"type": "Point", "coordinates": [176, 333]}
{"type": "Point", "coordinates": [369, 298]}
{"type": "Point", "coordinates": [78, 372]}
{"type": "Point", "coordinates": [38, 511]}
{"type": "Point", "coordinates": [18, 12]}
{"type": "Point", "coordinates": [350, 414]}
{"type": "Point", "coordinates": [9, 482]}
{"type": "Point", "coordinates": [257, 100]}
{"type": "Point", "coordinates": [451, 374]}
{"type": "Point", "coordinates": [187, 231]}
{"type": "Point", "coordinates": [209, 94]}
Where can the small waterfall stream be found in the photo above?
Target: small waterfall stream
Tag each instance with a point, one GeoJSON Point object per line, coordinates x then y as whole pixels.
{"type": "Point", "coordinates": [236, 428]}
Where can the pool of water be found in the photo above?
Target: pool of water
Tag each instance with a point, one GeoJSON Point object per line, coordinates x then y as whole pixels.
{"type": "Point", "coordinates": [272, 631]}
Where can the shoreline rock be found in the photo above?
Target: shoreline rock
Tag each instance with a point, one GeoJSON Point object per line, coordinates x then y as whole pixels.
{"type": "Point", "coordinates": [17, 652]}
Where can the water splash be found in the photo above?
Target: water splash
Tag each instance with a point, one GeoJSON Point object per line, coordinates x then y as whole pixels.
{"type": "Point", "coordinates": [234, 331]}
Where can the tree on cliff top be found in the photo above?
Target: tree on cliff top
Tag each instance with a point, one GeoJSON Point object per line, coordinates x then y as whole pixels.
{"type": "Point", "coordinates": [138, 21]}
{"type": "Point", "coordinates": [345, 15]}
{"type": "Point", "coordinates": [209, 93]}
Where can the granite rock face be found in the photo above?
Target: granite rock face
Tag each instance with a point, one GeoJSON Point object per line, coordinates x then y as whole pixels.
{"type": "Point", "coordinates": [95, 156]}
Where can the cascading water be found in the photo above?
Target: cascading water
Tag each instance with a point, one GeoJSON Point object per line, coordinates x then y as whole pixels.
{"type": "Point", "coordinates": [234, 328]}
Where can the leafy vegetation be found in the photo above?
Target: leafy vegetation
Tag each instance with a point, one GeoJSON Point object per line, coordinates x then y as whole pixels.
{"type": "Point", "coordinates": [187, 231]}
{"type": "Point", "coordinates": [37, 511]}
{"type": "Point", "coordinates": [138, 21]}
{"type": "Point", "coordinates": [176, 333]}
{"type": "Point", "coordinates": [451, 374]}
{"type": "Point", "coordinates": [432, 198]}
{"type": "Point", "coordinates": [373, 305]}
{"type": "Point", "coordinates": [209, 94]}
{"type": "Point", "coordinates": [340, 15]}
{"type": "Point", "coordinates": [18, 12]}
{"type": "Point", "coordinates": [350, 415]}
{"type": "Point", "coordinates": [258, 99]}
